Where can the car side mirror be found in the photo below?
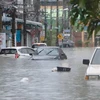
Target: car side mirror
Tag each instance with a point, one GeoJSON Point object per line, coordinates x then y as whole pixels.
{"type": "Point", "coordinates": [86, 61]}
{"type": "Point", "coordinates": [30, 54]}
{"type": "Point", "coordinates": [63, 56]}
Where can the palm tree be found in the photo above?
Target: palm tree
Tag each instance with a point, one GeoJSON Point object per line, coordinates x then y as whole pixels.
{"type": "Point", "coordinates": [86, 13]}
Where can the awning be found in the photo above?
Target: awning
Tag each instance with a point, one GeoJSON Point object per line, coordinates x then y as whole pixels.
{"type": "Point", "coordinates": [4, 19]}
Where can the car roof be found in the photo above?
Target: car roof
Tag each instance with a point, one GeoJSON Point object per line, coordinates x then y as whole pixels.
{"type": "Point", "coordinates": [48, 47]}
{"type": "Point", "coordinates": [18, 47]}
{"type": "Point", "coordinates": [98, 47]}
{"type": "Point", "coordinates": [39, 43]}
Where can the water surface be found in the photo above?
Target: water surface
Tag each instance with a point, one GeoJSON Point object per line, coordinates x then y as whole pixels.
{"type": "Point", "coordinates": [43, 84]}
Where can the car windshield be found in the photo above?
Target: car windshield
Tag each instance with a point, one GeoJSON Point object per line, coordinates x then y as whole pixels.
{"type": "Point", "coordinates": [96, 57]}
{"type": "Point", "coordinates": [48, 51]}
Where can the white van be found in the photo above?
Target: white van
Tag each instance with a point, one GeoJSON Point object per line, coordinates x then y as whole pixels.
{"type": "Point", "coordinates": [93, 70]}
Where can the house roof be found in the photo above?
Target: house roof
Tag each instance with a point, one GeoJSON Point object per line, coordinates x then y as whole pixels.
{"type": "Point", "coordinates": [5, 18]}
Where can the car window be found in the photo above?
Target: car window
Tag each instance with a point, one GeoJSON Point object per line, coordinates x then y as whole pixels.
{"type": "Point", "coordinates": [23, 50]}
{"type": "Point", "coordinates": [30, 51]}
{"type": "Point", "coordinates": [96, 57]}
{"type": "Point", "coordinates": [26, 50]}
{"type": "Point", "coordinates": [41, 51]}
{"type": "Point", "coordinates": [8, 51]}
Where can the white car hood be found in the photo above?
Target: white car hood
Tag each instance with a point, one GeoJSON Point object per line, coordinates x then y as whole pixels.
{"type": "Point", "coordinates": [93, 70]}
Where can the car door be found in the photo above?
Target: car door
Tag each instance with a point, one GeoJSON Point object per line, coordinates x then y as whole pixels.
{"type": "Point", "coordinates": [25, 52]}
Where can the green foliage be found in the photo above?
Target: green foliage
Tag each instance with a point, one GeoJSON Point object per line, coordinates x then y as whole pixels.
{"type": "Point", "coordinates": [86, 13]}
{"type": "Point", "coordinates": [49, 40]}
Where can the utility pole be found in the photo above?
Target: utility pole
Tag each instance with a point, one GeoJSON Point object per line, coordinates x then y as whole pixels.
{"type": "Point", "coordinates": [37, 8]}
{"type": "Point", "coordinates": [13, 30]}
{"type": "Point", "coordinates": [57, 23]}
{"type": "Point", "coordinates": [24, 24]}
{"type": "Point", "coordinates": [51, 24]}
{"type": "Point", "coordinates": [64, 14]}
{"type": "Point", "coordinates": [66, 24]}
{"type": "Point", "coordinates": [45, 21]}
{"type": "Point", "coordinates": [0, 18]}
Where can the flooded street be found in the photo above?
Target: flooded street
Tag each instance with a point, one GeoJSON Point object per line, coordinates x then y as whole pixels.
{"type": "Point", "coordinates": [40, 83]}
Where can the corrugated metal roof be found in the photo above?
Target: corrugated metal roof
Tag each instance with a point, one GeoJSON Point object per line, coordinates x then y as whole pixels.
{"type": "Point", "coordinates": [4, 18]}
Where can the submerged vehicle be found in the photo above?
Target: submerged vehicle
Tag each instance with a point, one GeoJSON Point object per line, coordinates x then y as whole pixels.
{"type": "Point", "coordinates": [49, 52]}
{"type": "Point", "coordinates": [93, 70]}
{"type": "Point", "coordinates": [17, 52]}
{"type": "Point", "coordinates": [36, 45]}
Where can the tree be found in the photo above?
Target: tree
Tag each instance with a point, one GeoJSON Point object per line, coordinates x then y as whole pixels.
{"type": "Point", "coordinates": [86, 13]}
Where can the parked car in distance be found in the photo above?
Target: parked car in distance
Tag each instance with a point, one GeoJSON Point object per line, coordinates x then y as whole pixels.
{"type": "Point", "coordinates": [49, 52]}
{"type": "Point", "coordinates": [35, 45]}
{"type": "Point", "coordinates": [68, 43]}
{"type": "Point", "coordinates": [17, 52]}
{"type": "Point", "coordinates": [93, 70]}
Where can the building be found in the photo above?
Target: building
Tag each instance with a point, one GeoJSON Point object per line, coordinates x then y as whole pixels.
{"type": "Point", "coordinates": [33, 28]}
{"type": "Point", "coordinates": [52, 18]}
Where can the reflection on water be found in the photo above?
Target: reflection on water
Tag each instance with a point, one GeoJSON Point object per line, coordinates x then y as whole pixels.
{"type": "Point", "coordinates": [42, 83]}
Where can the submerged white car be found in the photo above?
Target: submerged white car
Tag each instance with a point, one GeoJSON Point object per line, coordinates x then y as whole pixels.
{"type": "Point", "coordinates": [17, 52]}
{"type": "Point", "coordinates": [49, 52]}
{"type": "Point", "coordinates": [93, 70]}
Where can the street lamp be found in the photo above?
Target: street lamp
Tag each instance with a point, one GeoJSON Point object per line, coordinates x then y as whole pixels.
{"type": "Point", "coordinates": [65, 18]}
{"type": "Point", "coordinates": [66, 21]}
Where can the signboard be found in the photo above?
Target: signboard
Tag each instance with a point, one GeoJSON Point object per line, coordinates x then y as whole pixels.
{"type": "Point", "coordinates": [2, 40]}
{"type": "Point", "coordinates": [67, 31]}
{"type": "Point", "coordinates": [42, 38]}
{"type": "Point", "coordinates": [60, 36]}
{"type": "Point", "coordinates": [18, 36]}
{"type": "Point", "coordinates": [67, 34]}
